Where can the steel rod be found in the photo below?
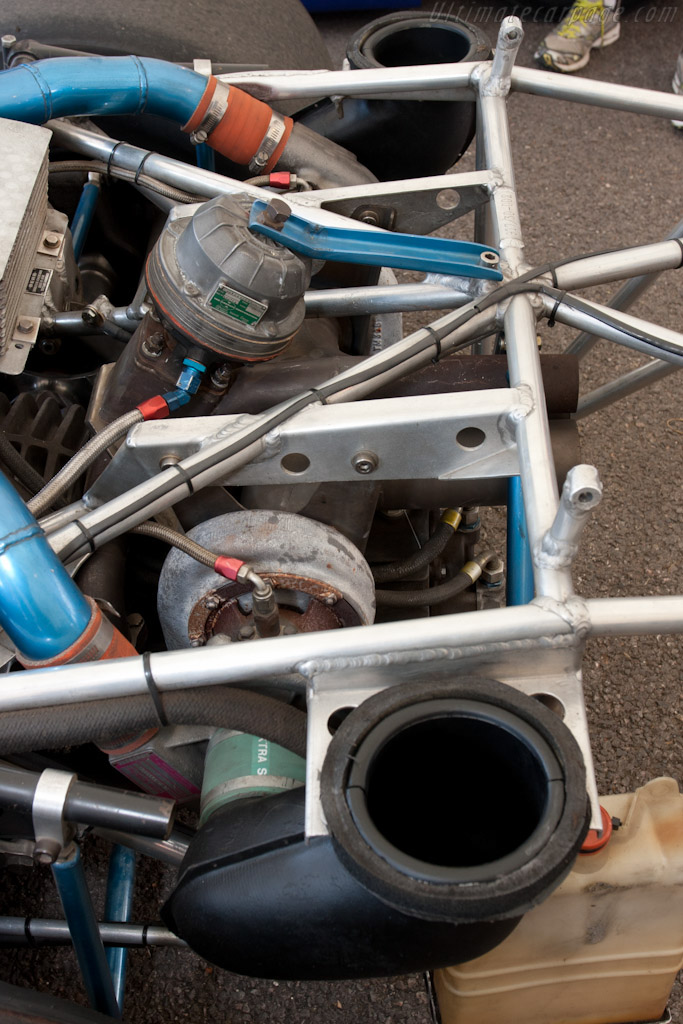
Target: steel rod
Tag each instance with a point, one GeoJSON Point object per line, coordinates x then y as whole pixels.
{"type": "Point", "coordinates": [643, 260]}
{"type": "Point", "coordinates": [624, 330]}
{"type": "Point", "coordinates": [624, 298]}
{"type": "Point", "coordinates": [623, 616]}
{"type": "Point", "coordinates": [597, 94]}
{"type": "Point", "coordinates": [394, 298]}
{"type": "Point", "coordinates": [251, 663]}
{"type": "Point", "coordinates": [36, 931]}
{"type": "Point", "coordinates": [520, 569]}
{"type": "Point", "coordinates": [536, 464]}
{"type": "Point", "coordinates": [371, 83]}
{"type": "Point", "coordinates": [118, 907]}
{"type": "Point", "coordinates": [619, 388]}
{"type": "Point", "coordinates": [88, 804]}
{"type": "Point", "coordinates": [170, 850]}
{"type": "Point", "coordinates": [82, 925]}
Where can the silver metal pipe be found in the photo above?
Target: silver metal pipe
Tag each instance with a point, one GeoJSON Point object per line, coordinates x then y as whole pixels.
{"type": "Point", "coordinates": [536, 465]}
{"type": "Point", "coordinates": [623, 616]}
{"type": "Point", "coordinates": [89, 804]}
{"type": "Point", "coordinates": [309, 654]}
{"type": "Point", "coordinates": [72, 322]}
{"type": "Point", "coordinates": [493, 123]}
{"type": "Point", "coordinates": [597, 94]}
{"type": "Point", "coordinates": [394, 298]}
{"type": "Point", "coordinates": [625, 332]}
{"type": "Point", "coordinates": [263, 659]}
{"type": "Point", "coordinates": [164, 168]}
{"type": "Point", "coordinates": [624, 298]}
{"type": "Point", "coordinates": [441, 81]}
{"type": "Point", "coordinates": [36, 931]}
{"type": "Point", "coordinates": [613, 266]}
{"type": "Point", "coordinates": [625, 385]}
{"type": "Point", "coordinates": [170, 850]}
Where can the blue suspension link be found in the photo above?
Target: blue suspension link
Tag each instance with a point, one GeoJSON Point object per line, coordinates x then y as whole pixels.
{"type": "Point", "coordinates": [373, 246]}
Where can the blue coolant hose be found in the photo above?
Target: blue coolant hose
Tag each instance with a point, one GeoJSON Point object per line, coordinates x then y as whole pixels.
{"type": "Point", "coordinates": [41, 609]}
{"type": "Point", "coordinates": [64, 86]}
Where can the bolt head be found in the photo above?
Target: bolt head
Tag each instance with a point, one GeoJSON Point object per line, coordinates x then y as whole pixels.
{"type": "Point", "coordinates": [52, 240]}
{"type": "Point", "coordinates": [212, 602]}
{"type": "Point", "coordinates": [91, 316]}
{"type": "Point", "coordinates": [24, 325]}
{"type": "Point", "coordinates": [197, 641]}
{"type": "Point", "coordinates": [330, 600]}
{"type": "Point", "coordinates": [275, 213]}
{"type": "Point", "coordinates": [246, 632]}
{"type": "Point", "coordinates": [365, 462]}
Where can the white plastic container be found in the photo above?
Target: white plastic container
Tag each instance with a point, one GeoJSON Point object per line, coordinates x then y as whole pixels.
{"type": "Point", "coordinates": [605, 948]}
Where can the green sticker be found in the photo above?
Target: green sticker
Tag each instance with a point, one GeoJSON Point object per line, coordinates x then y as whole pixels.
{"type": "Point", "coordinates": [237, 306]}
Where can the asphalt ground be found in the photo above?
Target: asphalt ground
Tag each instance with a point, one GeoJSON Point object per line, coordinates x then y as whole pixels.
{"type": "Point", "coordinates": [588, 180]}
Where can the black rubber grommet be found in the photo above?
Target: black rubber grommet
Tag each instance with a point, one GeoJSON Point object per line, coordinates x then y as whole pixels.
{"type": "Point", "coordinates": [457, 801]}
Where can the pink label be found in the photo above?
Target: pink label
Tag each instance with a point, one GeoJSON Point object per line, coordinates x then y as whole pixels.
{"type": "Point", "coordinates": [154, 775]}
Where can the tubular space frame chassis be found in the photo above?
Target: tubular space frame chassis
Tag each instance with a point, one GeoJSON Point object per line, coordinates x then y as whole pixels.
{"type": "Point", "coordinates": [536, 647]}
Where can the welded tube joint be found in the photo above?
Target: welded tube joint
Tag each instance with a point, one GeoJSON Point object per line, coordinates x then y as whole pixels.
{"type": "Point", "coordinates": [582, 492]}
{"type": "Point", "coordinates": [497, 81]}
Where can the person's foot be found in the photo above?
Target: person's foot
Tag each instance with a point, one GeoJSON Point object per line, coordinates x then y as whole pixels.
{"type": "Point", "coordinates": [677, 84]}
{"type": "Point", "coordinates": [589, 25]}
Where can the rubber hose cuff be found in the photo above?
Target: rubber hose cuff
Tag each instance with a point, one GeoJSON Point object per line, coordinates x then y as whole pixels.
{"type": "Point", "coordinates": [239, 126]}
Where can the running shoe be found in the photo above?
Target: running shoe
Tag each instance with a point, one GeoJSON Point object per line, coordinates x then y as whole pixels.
{"type": "Point", "coordinates": [590, 25]}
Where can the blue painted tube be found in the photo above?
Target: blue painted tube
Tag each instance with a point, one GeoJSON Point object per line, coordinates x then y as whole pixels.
{"type": "Point", "coordinates": [520, 570]}
{"type": "Point", "coordinates": [119, 907]}
{"type": "Point", "coordinates": [80, 225]}
{"type": "Point", "coordinates": [41, 608]}
{"type": "Point", "coordinates": [85, 935]}
{"type": "Point", "coordinates": [62, 86]}
{"type": "Point", "coordinates": [205, 157]}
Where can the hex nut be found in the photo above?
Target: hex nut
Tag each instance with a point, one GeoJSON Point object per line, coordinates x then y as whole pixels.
{"type": "Point", "coordinates": [493, 572]}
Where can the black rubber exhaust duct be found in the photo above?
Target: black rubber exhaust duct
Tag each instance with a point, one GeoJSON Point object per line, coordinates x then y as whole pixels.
{"type": "Point", "coordinates": [404, 138]}
{"type": "Point", "coordinates": [453, 809]}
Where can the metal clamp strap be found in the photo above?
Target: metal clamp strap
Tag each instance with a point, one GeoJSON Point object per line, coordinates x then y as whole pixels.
{"type": "Point", "coordinates": [52, 832]}
{"type": "Point", "coordinates": [269, 143]}
{"type": "Point", "coordinates": [213, 116]}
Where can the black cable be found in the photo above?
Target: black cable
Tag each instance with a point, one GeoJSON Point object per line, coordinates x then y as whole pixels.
{"type": "Point", "coordinates": [418, 560]}
{"type": "Point", "coordinates": [420, 598]}
{"type": "Point", "coordinates": [19, 467]}
{"type": "Point", "coordinates": [525, 283]}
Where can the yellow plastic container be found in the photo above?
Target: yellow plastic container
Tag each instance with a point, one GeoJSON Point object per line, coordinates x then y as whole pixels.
{"type": "Point", "coordinates": [605, 948]}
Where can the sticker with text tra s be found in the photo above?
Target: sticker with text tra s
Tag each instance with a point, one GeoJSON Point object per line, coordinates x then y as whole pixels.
{"type": "Point", "coordinates": [237, 306]}
{"type": "Point", "coordinates": [38, 281]}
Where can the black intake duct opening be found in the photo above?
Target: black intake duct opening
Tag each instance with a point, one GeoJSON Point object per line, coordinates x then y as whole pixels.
{"type": "Point", "coordinates": [416, 137]}
{"type": "Point", "coordinates": [453, 807]}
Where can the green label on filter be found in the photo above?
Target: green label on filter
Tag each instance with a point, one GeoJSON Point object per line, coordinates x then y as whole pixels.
{"type": "Point", "coordinates": [260, 757]}
{"type": "Point", "coordinates": [237, 306]}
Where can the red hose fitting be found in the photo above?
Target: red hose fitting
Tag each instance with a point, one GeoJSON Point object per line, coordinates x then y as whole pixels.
{"type": "Point", "coordinates": [154, 408]}
{"type": "Point", "coordinates": [228, 567]}
{"type": "Point", "coordinates": [280, 179]}
{"type": "Point", "coordinates": [595, 841]}
{"type": "Point", "coordinates": [242, 131]}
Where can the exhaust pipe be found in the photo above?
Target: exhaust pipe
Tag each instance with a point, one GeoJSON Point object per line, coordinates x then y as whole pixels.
{"type": "Point", "coordinates": [419, 137]}
{"type": "Point", "coordinates": [453, 808]}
